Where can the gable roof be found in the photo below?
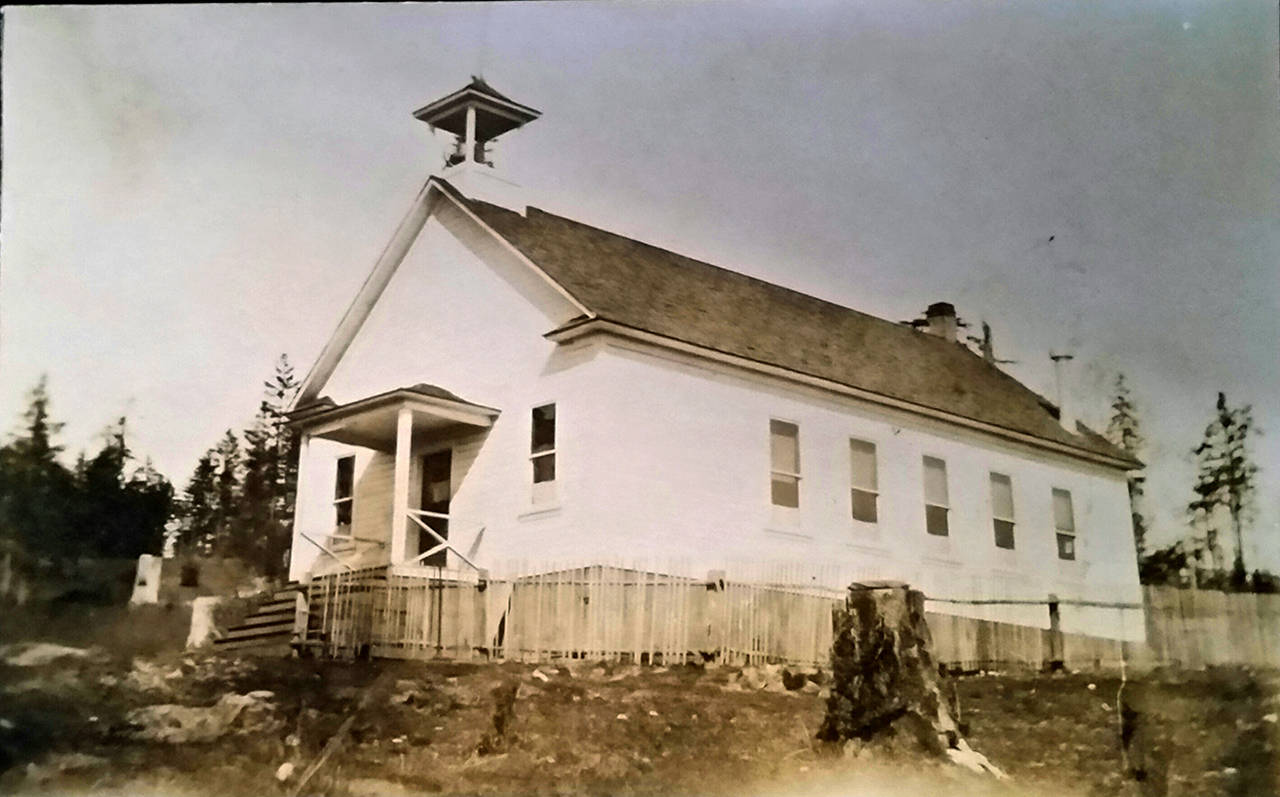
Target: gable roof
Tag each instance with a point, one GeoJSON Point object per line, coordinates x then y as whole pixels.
{"type": "Point", "coordinates": [637, 285]}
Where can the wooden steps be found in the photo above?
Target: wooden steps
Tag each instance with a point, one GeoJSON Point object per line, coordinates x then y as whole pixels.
{"type": "Point", "coordinates": [270, 628]}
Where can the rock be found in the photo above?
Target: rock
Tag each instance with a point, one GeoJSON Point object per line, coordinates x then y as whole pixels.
{"type": "Point", "coordinates": [597, 672]}
{"type": "Point", "coordinates": [810, 688]}
{"type": "Point", "coordinates": [147, 677]}
{"type": "Point", "coordinates": [284, 771]}
{"type": "Point", "coordinates": [963, 755]}
{"type": "Point", "coordinates": [376, 787]}
{"type": "Point", "coordinates": [794, 680]}
{"type": "Point", "coordinates": [38, 654]}
{"type": "Point", "coordinates": [64, 762]}
{"type": "Point", "coordinates": [406, 692]}
{"type": "Point", "coordinates": [176, 724]}
{"type": "Point", "coordinates": [752, 678]}
{"type": "Point", "coordinates": [1271, 718]}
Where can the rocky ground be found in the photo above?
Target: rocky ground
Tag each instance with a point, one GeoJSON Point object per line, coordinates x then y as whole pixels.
{"type": "Point", "coordinates": [80, 720]}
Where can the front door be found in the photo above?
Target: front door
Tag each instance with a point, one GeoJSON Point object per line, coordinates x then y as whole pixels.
{"type": "Point", "coordinates": [437, 488]}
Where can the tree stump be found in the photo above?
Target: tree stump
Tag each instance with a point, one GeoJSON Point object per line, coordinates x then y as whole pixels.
{"type": "Point", "coordinates": [885, 683]}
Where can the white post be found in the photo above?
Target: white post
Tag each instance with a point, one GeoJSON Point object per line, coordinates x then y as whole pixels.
{"type": "Point", "coordinates": [400, 490]}
{"type": "Point", "coordinates": [470, 143]}
{"type": "Point", "coordinates": [299, 562]}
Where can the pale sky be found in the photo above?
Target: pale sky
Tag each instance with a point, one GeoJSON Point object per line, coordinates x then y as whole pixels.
{"type": "Point", "coordinates": [188, 192]}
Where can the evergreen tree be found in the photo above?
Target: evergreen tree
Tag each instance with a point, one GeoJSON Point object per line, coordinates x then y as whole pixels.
{"type": "Point", "coordinates": [120, 514]}
{"type": "Point", "coordinates": [1226, 479]}
{"type": "Point", "coordinates": [35, 487]}
{"type": "Point", "coordinates": [227, 492]}
{"type": "Point", "coordinates": [200, 507]}
{"type": "Point", "coordinates": [1124, 431]}
{"type": "Point", "coordinates": [239, 500]}
{"type": "Point", "coordinates": [283, 470]}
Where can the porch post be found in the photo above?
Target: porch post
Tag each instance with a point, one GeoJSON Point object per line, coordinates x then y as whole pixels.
{"type": "Point", "coordinates": [400, 489]}
{"type": "Point", "coordinates": [299, 550]}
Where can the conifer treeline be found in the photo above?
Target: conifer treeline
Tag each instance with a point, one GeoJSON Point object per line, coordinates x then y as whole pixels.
{"type": "Point", "coordinates": [238, 501]}
{"type": "Point", "coordinates": [107, 505]}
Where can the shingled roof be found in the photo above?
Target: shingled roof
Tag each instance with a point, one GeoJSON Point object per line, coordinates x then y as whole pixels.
{"type": "Point", "coordinates": [651, 289]}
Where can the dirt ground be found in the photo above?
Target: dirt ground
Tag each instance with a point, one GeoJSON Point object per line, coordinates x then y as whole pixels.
{"type": "Point", "coordinates": [66, 727]}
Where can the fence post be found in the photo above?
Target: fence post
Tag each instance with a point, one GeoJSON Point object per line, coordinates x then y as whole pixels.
{"type": "Point", "coordinates": [1056, 653]}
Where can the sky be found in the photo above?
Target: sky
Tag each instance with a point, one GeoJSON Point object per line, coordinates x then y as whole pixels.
{"type": "Point", "coordinates": [189, 192]}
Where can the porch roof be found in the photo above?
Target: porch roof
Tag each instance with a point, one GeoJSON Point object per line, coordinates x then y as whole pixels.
{"type": "Point", "coordinates": [371, 422]}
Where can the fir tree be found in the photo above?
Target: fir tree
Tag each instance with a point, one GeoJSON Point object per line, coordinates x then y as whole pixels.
{"type": "Point", "coordinates": [200, 507]}
{"type": "Point", "coordinates": [34, 486]}
{"type": "Point", "coordinates": [1226, 479]}
{"type": "Point", "coordinates": [227, 492]}
{"type": "Point", "coordinates": [1124, 431]}
{"type": "Point", "coordinates": [120, 514]}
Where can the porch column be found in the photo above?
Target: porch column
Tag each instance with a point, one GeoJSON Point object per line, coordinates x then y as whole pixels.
{"type": "Point", "coordinates": [400, 488]}
{"type": "Point", "coordinates": [301, 552]}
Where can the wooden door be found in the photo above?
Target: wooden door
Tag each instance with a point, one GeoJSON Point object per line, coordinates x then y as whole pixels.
{"type": "Point", "coordinates": [437, 489]}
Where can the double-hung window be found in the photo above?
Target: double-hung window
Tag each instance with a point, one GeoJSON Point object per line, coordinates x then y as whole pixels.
{"type": "Point", "coordinates": [344, 494]}
{"type": "Point", "coordinates": [542, 447]}
{"type": "Point", "coordinates": [936, 504]}
{"type": "Point", "coordinates": [784, 463]}
{"type": "Point", "coordinates": [1002, 510]}
{"type": "Point", "coordinates": [1064, 522]}
{"type": "Point", "coordinates": [863, 488]}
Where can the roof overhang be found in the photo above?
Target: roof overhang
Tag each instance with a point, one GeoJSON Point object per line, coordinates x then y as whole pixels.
{"type": "Point", "coordinates": [582, 327]}
{"type": "Point", "coordinates": [371, 422]}
{"type": "Point", "coordinates": [450, 113]}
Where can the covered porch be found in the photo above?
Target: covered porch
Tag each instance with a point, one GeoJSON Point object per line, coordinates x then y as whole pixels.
{"type": "Point", "coordinates": [393, 475]}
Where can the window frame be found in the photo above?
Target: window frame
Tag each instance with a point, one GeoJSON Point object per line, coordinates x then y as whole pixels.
{"type": "Point", "coordinates": [874, 491]}
{"type": "Point", "coordinates": [349, 500]}
{"type": "Point", "coordinates": [946, 489]}
{"type": "Point", "coordinates": [795, 476]}
{"type": "Point", "coordinates": [534, 454]}
{"type": "Point", "coordinates": [1069, 532]}
{"type": "Point", "coordinates": [996, 520]}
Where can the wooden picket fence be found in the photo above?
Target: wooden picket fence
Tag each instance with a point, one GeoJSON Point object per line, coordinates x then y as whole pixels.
{"type": "Point", "coordinates": [645, 615]}
{"type": "Point", "coordinates": [1199, 628]}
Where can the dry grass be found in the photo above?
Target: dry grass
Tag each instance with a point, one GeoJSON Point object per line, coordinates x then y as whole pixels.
{"type": "Point", "coordinates": [604, 730]}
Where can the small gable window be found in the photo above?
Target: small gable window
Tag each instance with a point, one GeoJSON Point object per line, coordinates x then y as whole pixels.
{"type": "Point", "coordinates": [1064, 522]}
{"type": "Point", "coordinates": [344, 494]}
{"type": "Point", "coordinates": [784, 459]}
{"type": "Point", "coordinates": [1002, 509]}
{"type": "Point", "coordinates": [863, 488]}
{"type": "Point", "coordinates": [936, 504]}
{"type": "Point", "coordinates": [543, 444]}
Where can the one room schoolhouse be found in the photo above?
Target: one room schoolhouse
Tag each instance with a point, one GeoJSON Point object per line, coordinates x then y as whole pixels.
{"type": "Point", "coordinates": [510, 385]}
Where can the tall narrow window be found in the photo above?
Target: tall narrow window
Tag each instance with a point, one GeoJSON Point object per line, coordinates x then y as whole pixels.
{"type": "Point", "coordinates": [543, 445]}
{"type": "Point", "coordinates": [863, 489]}
{"type": "Point", "coordinates": [344, 493]}
{"type": "Point", "coordinates": [784, 459]}
{"type": "Point", "coordinates": [1064, 522]}
{"type": "Point", "coordinates": [1002, 509]}
{"type": "Point", "coordinates": [936, 504]}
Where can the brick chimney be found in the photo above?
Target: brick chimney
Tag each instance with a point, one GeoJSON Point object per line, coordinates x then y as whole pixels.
{"type": "Point", "coordinates": [1062, 381]}
{"type": "Point", "coordinates": [940, 320]}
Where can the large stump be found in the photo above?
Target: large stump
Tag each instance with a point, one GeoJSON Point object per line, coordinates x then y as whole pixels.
{"type": "Point", "coordinates": [886, 685]}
